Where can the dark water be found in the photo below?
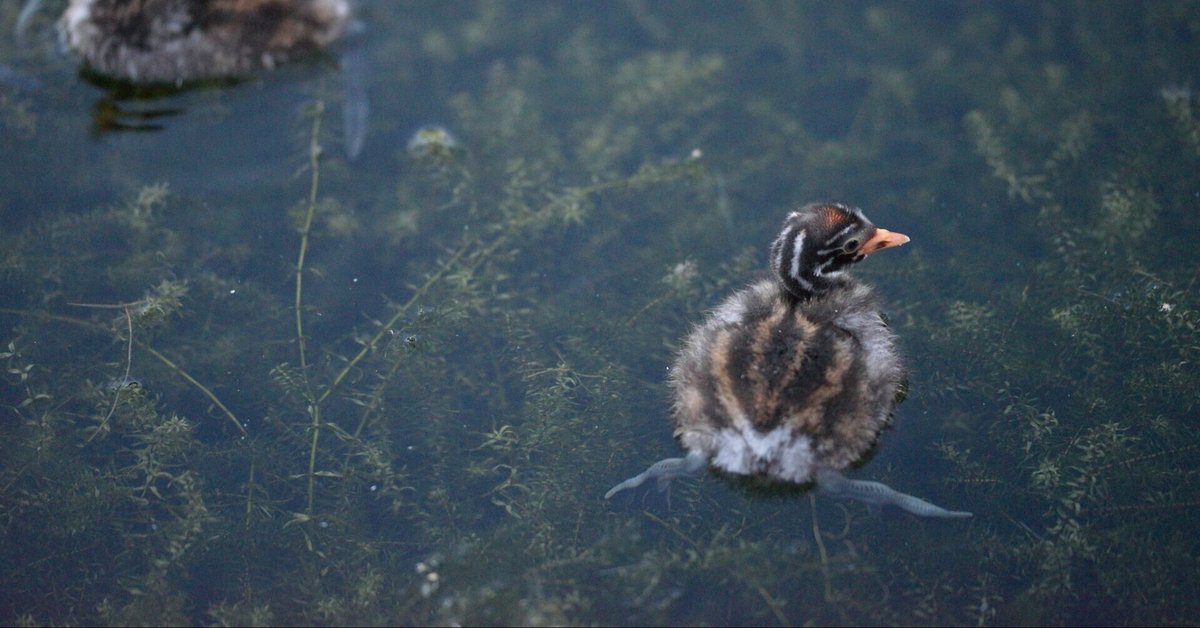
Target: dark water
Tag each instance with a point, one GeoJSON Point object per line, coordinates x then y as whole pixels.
{"type": "Point", "coordinates": [487, 321]}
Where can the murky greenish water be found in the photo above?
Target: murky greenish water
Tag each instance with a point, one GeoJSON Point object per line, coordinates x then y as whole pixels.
{"type": "Point", "coordinates": [423, 431]}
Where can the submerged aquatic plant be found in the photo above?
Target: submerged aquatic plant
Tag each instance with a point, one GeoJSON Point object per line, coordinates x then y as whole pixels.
{"type": "Point", "coordinates": [401, 397]}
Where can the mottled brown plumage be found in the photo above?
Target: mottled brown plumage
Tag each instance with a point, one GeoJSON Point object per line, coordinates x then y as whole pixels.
{"type": "Point", "coordinates": [173, 41]}
{"type": "Point", "coordinates": [793, 377]}
{"type": "Point", "coordinates": [776, 384]}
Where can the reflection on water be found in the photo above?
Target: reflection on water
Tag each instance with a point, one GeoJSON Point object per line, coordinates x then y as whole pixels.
{"type": "Point", "coordinates": [394, 389]}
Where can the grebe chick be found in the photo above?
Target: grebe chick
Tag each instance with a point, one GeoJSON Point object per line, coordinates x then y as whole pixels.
{"type": "Point", "coordinates": [175, 41]}
{"type": "Point", "coordinates": [793, 378]}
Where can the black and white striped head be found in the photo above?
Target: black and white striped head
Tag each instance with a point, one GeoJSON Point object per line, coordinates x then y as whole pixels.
{"type": "Point", "coordinates": [819, 240]}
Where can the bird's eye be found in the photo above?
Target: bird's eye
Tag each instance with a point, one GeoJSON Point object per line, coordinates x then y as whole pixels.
{"type": "Point", "coordinates": [851, 245]}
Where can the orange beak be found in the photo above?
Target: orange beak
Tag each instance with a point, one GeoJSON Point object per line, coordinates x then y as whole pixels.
{"type": "Point", "coordinates": [883, 239]}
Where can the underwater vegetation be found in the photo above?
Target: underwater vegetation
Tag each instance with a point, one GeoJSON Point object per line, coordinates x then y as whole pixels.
{"type": "Point", "coordinates": [396, 392]}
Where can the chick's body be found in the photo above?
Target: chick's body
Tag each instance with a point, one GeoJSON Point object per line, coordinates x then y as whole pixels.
{"type": "Point", "coordinates": [776, 387]}
{"type": "Point", "coordinates": [171, 41]}
{"type": "Point", "coordinates": [793, 378]}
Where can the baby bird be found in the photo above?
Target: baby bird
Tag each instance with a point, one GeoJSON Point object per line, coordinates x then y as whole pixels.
{"type": "Point", "coordinates": [175, 41]}
{"type": "Point", "coordinates": [793, 378]}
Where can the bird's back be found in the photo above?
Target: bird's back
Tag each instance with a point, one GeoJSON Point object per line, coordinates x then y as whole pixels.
{"type": "Point", "coordinates": [769, 385]}
{"type": "Point", "coordinates": [172, 41]}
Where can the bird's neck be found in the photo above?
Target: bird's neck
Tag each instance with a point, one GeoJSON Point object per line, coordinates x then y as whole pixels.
{"type": "Point", "coordinates": [815, 286]}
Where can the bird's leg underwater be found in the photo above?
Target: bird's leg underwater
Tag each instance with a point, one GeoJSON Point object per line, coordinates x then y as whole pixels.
{"type": "Point", "coordinates": [664, 471]}
{"type": "Point", "coordinates": [834, 484]}
{"type": "Point", "coordinates": [356, 105]}
{"type": "Point", "coordinates": [24, 18]}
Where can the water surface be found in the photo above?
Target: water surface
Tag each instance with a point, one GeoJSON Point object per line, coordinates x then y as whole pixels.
{"type": "Point", "coordinates": [423, 431]}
